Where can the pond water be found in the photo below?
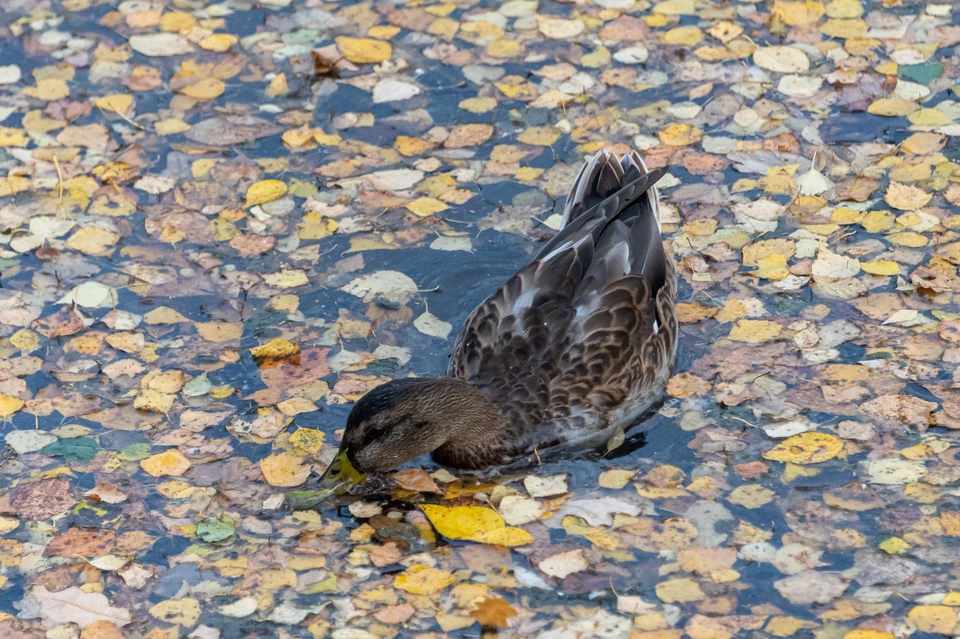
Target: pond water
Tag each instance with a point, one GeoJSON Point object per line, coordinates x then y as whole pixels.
{"type": "Point", "coordinates": [222, 223]}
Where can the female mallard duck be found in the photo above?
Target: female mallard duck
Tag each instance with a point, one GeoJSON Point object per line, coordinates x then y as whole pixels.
{"type": "Point", "coordinates": [575, 346]}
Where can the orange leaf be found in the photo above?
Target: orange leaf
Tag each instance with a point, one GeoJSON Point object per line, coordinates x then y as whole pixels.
{"type": "Point", "coordinates": [493, 611]}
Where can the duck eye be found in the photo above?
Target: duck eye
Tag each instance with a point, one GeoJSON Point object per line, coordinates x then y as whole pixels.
{"type": "Point", "coordinates": [376, 430]}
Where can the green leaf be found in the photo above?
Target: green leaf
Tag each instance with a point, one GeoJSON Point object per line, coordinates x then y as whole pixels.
{"type": "Point", "coordinates": [82, 449]}
{"type": "Point", "coordinates": [215, 529]}
{"type": "Point", "coordinates": [921, 73]}
{"type": "Point", "coordinates": [135, 452]}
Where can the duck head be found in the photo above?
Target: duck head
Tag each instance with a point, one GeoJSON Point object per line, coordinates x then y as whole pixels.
{"type": "Point", "coordinates": [403, 419]}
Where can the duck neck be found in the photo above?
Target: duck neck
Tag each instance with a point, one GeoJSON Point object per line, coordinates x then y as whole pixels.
{"type": "Point", "coordinates": [470, 422]}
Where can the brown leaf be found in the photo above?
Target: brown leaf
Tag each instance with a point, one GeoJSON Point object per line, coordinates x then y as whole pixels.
{"type": "Point", "coordinates": [494, 612]}
{"type": "Point", "coordinates": [230, 130]}
{"type": "Point", "coordinates": [66, 321]}
{"type": "Point", "coordinates": [395, 614]}
{"type": "Point", "coordinates": [81, 542]}
{"type": "Point", "coordinates": [43, 499]}
{"type": "Point", "coordinates": [465, 135]}
{"type": "Point", "coordinates": [416, 479]}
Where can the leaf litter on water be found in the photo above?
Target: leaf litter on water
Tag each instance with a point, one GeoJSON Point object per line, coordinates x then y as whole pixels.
{"type": "Point", "coordinates": [214, 242]}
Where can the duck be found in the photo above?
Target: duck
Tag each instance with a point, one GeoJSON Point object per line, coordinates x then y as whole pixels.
{"type": "Point", "coordinates": [572, 349]}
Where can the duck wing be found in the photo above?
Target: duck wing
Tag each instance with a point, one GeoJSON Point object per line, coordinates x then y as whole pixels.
{"type": "Point", "coordinates": [586, 328]}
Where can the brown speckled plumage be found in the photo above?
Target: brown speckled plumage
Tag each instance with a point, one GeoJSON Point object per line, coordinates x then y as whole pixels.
{"type": "Point", "coordinates": [574, 346]}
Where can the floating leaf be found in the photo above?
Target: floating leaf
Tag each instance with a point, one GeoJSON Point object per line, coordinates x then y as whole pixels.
{"type": "Point", "coordinates": [265, 191]}
{"type": "Point", "coordinates": [216, 529]}
{"type": "Point", "coordinates": [170, 463]}
{"type": "Point", "coordinates": [284, 470]}
{"type": "Point", "coordinates": [422, 580]}
{"type": "Point", "coordinates": [806, 448]}
{"type": "Point", "coordinates": [363, 50]}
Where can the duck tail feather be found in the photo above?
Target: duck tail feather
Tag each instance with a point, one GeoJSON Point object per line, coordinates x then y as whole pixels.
{"type": "Point", "coordinates": [599, 178]}
{"type": "Point", "coordinates": [601, 194]}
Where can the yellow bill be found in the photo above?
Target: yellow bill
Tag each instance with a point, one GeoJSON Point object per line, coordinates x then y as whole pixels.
{"type": "Point", "coordinates": [340, 475]}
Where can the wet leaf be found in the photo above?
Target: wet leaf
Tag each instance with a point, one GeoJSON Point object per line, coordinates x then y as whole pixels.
{"type": "Point", "coordinates": [494, 612]}
{"type": "Point", "coordinates": [806, 448]}
{"type": "Point", "coordinates": [170, 463]}
{"type": "Point", "coordinates": [284, 470]}
{"type": "Point", "coordinates": [423, 580]}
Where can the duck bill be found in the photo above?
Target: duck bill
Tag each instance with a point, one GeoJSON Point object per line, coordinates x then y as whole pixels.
{"type": "Point", "coordinates": [340, 475]}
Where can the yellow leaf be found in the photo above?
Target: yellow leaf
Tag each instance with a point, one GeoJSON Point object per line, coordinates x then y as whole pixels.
{"type": "Point", "coordinates": [316, 226]}
{"type": "Point", "coordinates": [881, 267]}
{"type": "Point", "coordinates": [680, 135]}
{"type": "Point", "coordinates": [615, 478]}
{"type": "Point", "coordinates": [868, 634]}
{"type": "Point", "coordinates": [806, 448]}
{"type": "Point", "coordinates": [154, 400]}
{"type": "Point", "coordinates": [265, 191]}
{"type": "Point", "coordinates": [13, 184]}
{"type": "Point", "coordinates": [423, 580]}
{"type": "Point", "coordinates": [462, 522]}
{"type": "Point", "coordinates": [363, 50]}
{"type": "Point", "coordinates": [171, 126]}
{"type": "Point", "coordinates": [218, 42]}
{"type": "Point", "coordinates": [169, 463]}
{"type": "Point", "coordinates": [892, 107]}
{"type": "Point", "coordinates": [787, 626]}
{"type": "Point", "coordinates": [48, 89]}
{"type": "Point", "coordinates": [772, 267]}
{"type": "Point", "coordinates": [878, 221]}
{"type": "Point", "coordinates": [928, 117]}
{"type": "Point", "coordinates": [527, 173]}
{"type": "Point", "coordinates": [680, 591]}
{"type": "Point", "coordinates": [508, 536]}
{"type": "Point", "coordinates": [25, 340]}
{"type": "Point", "coordinates": [286, 279]}
{"type": "Point", "coordinates": [845, 9]}
{"type": "Point", "coordinates": [539, 136]}
{"type": "Point", "coordinates": [183, 612]}
{"type": "Point", "coordinates": [13, 137]}
{"type": "Point", "coordinates": [410, 146]}
{"type": "Point", "coordinates": [687, 36]}
{"type": "Point", "coordinates": [941, 620]}
{"type": "Point", "coordinates": [298, 137]}
{"type": "Point", "coordinates": [754, 331]}
{"type": "Point", "coordinates": [906, 197]}
{"type": "Point", "coordinates": [307, 440]}
{"type": "Point", "coordinates": [908, 238]}
{"type": "Point", "coordinates": [296, 405]}
{"type": "Point", "coordinates": [686, 385]}
{"type": "Point", "coordinates": [845, 29]}
{"type": "Point", "coordinates": [284, 470]}
{"type": "Point", "coordinates": [164, 315]}
{"type": "Point", "coordinates": [503, 48]}
{"type": "Point", "coordinates": [205, 89]}
{"type": "Point", "coordinates": [843, 215]}
{"type": "Point", "coordinates": [751, 496]}
{"type": "Point", "coordinates": [278, 86]}
{"type": "Point", "coordinates": [177, 21]}
{"type": "Point", "coordinates": [219, 331]}
{"type": "Point", "coordinates": [115, 102]}
{"type": "Point", "coordinates": [477, 105]}
{"type": "Point", "coordinates": [383, 31]}
{"type": "Point", "coordinates": [9, 405]}
{"type": "Point", "coordinates": [923, 143]}
{"type": "Point", "coordinates": [424, 206]}
{"type": "Point", "coordinates": [326, 139]}
{"type": "Point", "coordinates": [798, 13]}
{"type": "Point", "coordinates": [276, 348]}
{"type": "Point", "coordinates": [894, 546]}
{"type": "Point", "coordinates": [676, 8]}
